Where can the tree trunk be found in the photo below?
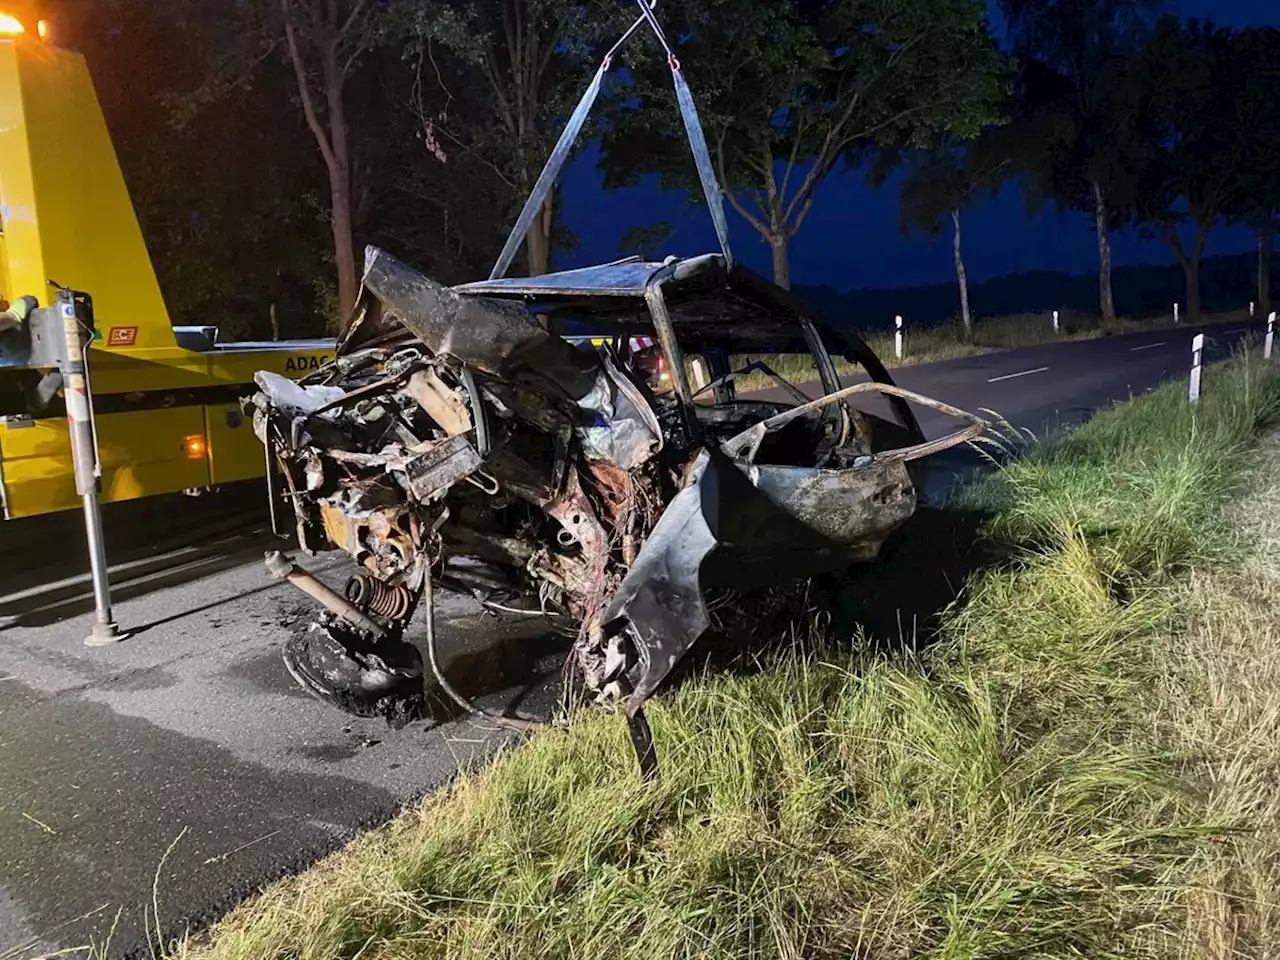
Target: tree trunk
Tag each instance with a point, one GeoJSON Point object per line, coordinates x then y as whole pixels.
{"type": "Point", "coordinates": [1107, 301]}
{"type": "Point", "coordinates": [344, 251]}
{"type": "Point", "coordinates": [1189, 261]}
{"type": "Point", "coordinates": [965, 318]}
{"type": "Point", "coordinates": [341, 186]}
{"type": "Point", "coordinates": [1191, 268]}
{"type": "Point", "coordinates": [1264, 272]}
{"type": "Point", "coordinates": [781, 262]}
{"type": "Point", "coordinates": [331, 133]}
{"type": "Point", "coordinates": [537, 242]}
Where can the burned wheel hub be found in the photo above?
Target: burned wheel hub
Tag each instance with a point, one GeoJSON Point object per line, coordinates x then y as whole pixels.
{"type": "Point", "coordinates": [344, 669]}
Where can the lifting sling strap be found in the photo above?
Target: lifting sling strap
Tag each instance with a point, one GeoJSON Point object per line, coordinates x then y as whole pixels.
{"type": "Point", "coordinates": [569, 135]}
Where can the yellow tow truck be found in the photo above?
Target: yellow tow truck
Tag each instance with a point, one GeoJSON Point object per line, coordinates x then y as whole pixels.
{"type": "Point", "coordinates": [163, 400]}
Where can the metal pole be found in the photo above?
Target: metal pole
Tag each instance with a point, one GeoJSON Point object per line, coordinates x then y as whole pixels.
{"type": "Point", "coordinates": [273, 488]}
{"type": "Point", "coordinates": [84, 456]}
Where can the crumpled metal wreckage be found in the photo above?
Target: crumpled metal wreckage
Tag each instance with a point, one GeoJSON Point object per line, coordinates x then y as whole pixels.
{"type": "Point", "coordinates": [454, 443]}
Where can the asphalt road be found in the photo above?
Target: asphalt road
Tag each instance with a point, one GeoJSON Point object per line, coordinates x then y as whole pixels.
{"type": "Point", "coordinates": [1054, 387]}
{"type": "Point", "coordinates": [182, 769]}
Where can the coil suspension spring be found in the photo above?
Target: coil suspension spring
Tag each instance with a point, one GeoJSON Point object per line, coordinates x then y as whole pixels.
{"type": "Point", "coordinates": [386, 600]}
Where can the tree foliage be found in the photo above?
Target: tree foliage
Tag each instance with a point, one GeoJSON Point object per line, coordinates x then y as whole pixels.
{"type": "Point", "coordinates": [510, 72]}
{"type": "Point", "coordinates": [1073, 53]}
{"type": "Point", "coordinates": [1257, 201]}
{"type": "Point", "coordinates": [645, 240]}
{"type": "Point", "coordinates": [787, 91]}
{"type": "Point", "coordinates": [942, 183]}
{"type": "Point", "coordinates": [228, 96]}
{"type": "Point", "coordinates": [228, 131]}
{"type": "Point", "coordinates": [323, 43]}
{"type": "Point", "coordinates": [1257, 108]}
{"type": "Point", "coordinates": [227, 193]}
{"type": "Point", "coordinates": [955, 176]}
{"type": "Point", "coordinates": [1203, 103]}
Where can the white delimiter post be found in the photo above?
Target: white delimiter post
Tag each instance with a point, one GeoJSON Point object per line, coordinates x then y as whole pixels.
{"type": "Point", "coordinates": [1250, 309]}
{"type": "Point", "coordinates": [1175, 311]}
{"type": "Point", "coordinates": [897, 337]}
{"type": "Point", "coordinates": [700, 377]}
{"type": "Point", "coordinates": [1055, 321]}
{"type": "Point", "coordinates": [1271, 332]}
{"type": "Point", "coordinates": [1197, 354]}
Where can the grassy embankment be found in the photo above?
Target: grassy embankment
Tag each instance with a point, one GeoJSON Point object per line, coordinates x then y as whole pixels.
{"type": "Point", "coordinates": [948, 341]}
{"type": "Point", "coordinates": [1080, 761]}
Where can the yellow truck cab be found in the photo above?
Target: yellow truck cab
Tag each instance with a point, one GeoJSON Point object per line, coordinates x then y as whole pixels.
{"type": "Point", "coordinates": [165, 400]}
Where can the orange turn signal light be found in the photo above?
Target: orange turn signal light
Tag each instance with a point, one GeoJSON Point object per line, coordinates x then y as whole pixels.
{"type": "Point", "coordinates": [11, 26]}
{"type": "Point", "coordinates": [195, 447]}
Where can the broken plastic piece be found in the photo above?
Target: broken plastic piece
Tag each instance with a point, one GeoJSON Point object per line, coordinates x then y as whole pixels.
{"type": "Point", "coordinates": [293, 397]}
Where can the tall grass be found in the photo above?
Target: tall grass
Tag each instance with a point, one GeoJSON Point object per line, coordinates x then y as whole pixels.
{"type": "Point", "coordinates": [1220, 708]}
{"type": "Point", "coordinates": [1024, 787]}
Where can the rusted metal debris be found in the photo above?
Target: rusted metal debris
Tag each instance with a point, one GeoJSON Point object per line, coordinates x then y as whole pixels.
{"type": "Point", "coordinates": [455, 443]}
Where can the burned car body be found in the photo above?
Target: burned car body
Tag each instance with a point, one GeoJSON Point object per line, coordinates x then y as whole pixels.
{"type": "Point", "coordinates": [454, 442]}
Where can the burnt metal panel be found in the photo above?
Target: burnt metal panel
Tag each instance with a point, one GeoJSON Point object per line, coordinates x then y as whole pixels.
{"type": "Point", "coordinates": [482, 334]}
{"type": "Point", "coordinates": [491, 336]}
{"type": "Point", "coordinates": [624, 278]}
{"type": "Point", "coordinates": [609, 280]}
{"type": "Point", "coordinates": [440, 467]}
{"type": "Point", "coordinates": [740, 527]}
{"type": "Point", "coordinates": [859, 506]}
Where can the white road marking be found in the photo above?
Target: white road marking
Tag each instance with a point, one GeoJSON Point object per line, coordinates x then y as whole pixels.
{"type": "Point", "coordinates": [82, 579]}
{"type": "Point", "coordinates": [1148, 346]}
{"type": "Point", "coordinates": [1024, 373]}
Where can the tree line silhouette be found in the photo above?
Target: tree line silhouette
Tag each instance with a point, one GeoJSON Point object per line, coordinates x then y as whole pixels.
{"type": "Point", "coordinates": [266, 141]}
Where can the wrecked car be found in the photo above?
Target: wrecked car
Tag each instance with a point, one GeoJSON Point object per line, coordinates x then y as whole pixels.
{"type": "Point", "coordinates": [455, 443]}
{"type": "Point", "coordinates": [621, 491]}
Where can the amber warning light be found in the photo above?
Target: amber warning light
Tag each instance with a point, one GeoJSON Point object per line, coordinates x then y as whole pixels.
{"type": "Point", "coordinates": [195, 447]}
{"type": "Point", "coordinates": [11, 26]}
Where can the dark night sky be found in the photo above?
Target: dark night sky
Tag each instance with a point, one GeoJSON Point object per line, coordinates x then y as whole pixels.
{"type": "Point", "coordinates": [851, 239]}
